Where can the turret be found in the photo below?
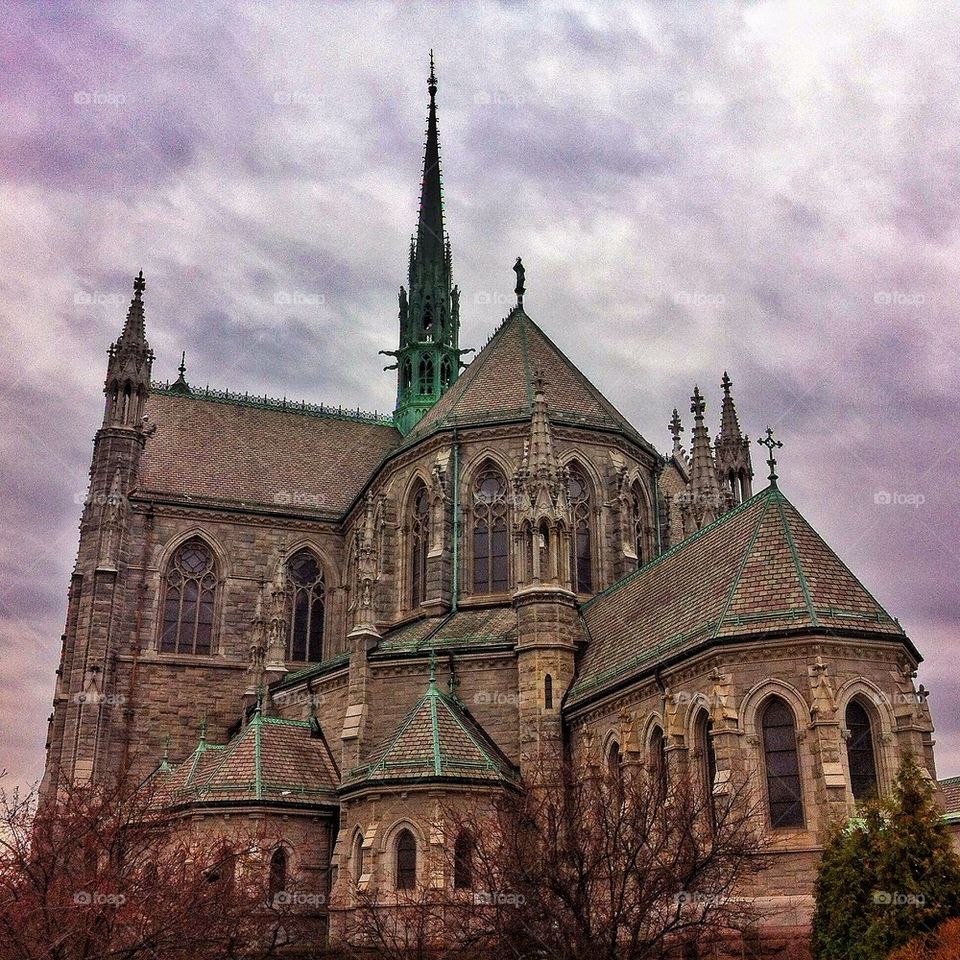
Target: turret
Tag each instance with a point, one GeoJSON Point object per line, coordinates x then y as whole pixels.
{"type": "Point", "coordinates": [734, 467]}
{"type": "Point", "coordinates": [547, 628]}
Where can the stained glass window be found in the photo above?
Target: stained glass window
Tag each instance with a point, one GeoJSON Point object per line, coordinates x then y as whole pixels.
{"type": "Point", "coordinates": [406, 861]}
{"type": "Point", "coordinates": [491, 544]}
{"type": "Point", "coordinates": [581, 560]}
{"type": "Point", "coordinates": [307, 605]}
{"type": "Point", "coordinates": [782, 764]}
{"type": "Point", "coordinates": [860, 753]}
{"type": "Point", "coordinates": [419, 545]}
{"type": "Point", "coordinates": [188, 605]}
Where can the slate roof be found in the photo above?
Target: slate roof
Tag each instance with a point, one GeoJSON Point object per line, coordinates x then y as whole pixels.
{"type": "Point", "coordinates": [208, 449]}
{"type": "Point", "coordinates": [498, 386]}
{"type": "Point", "coordinates": [270, 760]}
{"type": "Point", "coordinates": [437, 740]}
{"type": "Point", "coordinates": [465, 628]}
{"type": "Point", "coordinates": [759, 569]}
{"type": "Point", "coordinates": [951, 798]}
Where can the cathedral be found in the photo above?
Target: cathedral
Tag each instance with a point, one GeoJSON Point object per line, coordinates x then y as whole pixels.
{"type": "Point", "coordinates": [333, 620]}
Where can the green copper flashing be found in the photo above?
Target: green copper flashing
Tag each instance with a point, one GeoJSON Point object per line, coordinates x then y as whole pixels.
{"type": "Point", "coordinates": [798, 566]}
{"type": "Point", "coordinates": [282, 405]}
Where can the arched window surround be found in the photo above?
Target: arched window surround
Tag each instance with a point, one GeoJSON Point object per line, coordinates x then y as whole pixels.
{"type": "Point", "coordinates": [640, 520]}
{"type": "Point", "coordinates": [221, 571]}
{"type": "Point", "coordinates": [278, 872]}
{"type": "Point", "coordinates": [388, 848]}
{"type": "Point", "coordinates": [297, 611]}
{"type": "Point", "coordinates": [584, 535]}
{"type": "Point", "coordinates": [880, 711]}
{"type": "Point", "coordinates": [780, 748]}
{"type": "Point", "coordinates": [356, 856]}
{"type": "Point", "coordinates": [418, 525]}
{"type": "Point", "coordinates": [488, 555]}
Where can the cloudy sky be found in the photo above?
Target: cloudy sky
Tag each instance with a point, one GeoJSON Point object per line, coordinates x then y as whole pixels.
{"type": "Point", "coordinates": [769, 188]}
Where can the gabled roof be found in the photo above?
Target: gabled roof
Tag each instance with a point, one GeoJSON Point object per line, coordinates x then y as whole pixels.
{"type": "Point", "coordinates": [951, 798]}
{"type": "Point", "coordinates": [270, 760]}
{"type": "Point", "coordinates": [221, 447]}
{"type": "Point", "coordinates": [760, 569]}
{"type": "Point", "coordinates": [437, 740]}
{"type": "Point", "coordinates": [465, 628]}
{"type": "Point", "coordinates": [498, 386]}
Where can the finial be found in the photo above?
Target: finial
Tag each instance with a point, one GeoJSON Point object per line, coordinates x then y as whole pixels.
{"type": "Point", "coordinates": [696, 403]}
{"type": "Point", "coordinates": [538, 388]}
{"type": "Point", "coordinates": [433, 666]}
{"type": "Point", "coordinates": [139, 285]}
{"type": "Point", "coordinates": [182, 369]}
{"type": "Point", "coordinates": [432, 80]}
{"type": "Point", "coordinates": [676, 426]}
{"type": "Point", "coordinates": [203, 733]}
{"type": "Point", "coordinates": [771, 445]}
{"type": "Point", "coordinates": [726, 383]}
{"type": "Point", "coordinates": [521, 276]}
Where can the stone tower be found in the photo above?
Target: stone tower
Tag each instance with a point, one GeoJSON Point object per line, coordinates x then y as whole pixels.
{"type": "Point", "coordinates": [545, 603]}
{"type": "Point", "coordinates": [86, 704]}
{"type": "Point", "coordinates": [428, 357]}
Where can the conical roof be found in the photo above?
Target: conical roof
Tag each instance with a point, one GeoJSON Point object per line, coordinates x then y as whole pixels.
{"type": "Point", "coordinates": [498, 386]}
{"type": "Point", "coordinates": [760, 570]}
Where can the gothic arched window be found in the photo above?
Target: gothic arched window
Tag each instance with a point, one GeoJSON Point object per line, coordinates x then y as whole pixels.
{"type": "Point", "coordinates": [658, 759]}
{"type": "Point", "coordinates": [406, 374]}
{"type": "Point", "coordinates": [708, 759]}
{"type": "Point", "coordinates": [860, 753]}
{"type": "Point", "coordinates": [357, 857]}
{"type": "Point", "coordinates": [782, 765]}
{"type": "Point", "coordinates": [307, 602]}
{"type": "Point", "coordinates": [463, 861]}
{"type": "Point", "coordinates": [637, 524]}
{"type": "Point", "coordinates": [446, 373]}
{"type": "Point", "coordinates": [191, 585]}
{"type": "Point", "coordinates": [419, 545]}
{"type": "Point", "coordinates": [614, 761]}
{"type": "Point", "coordinates": [581, 559]}
{"type": "Point", "coordinates": [406, 860]}
{"type": "Point", "coordinates": [277, 881]}
{"type": "Point", "coordinates": [548, 692]}
{"type": "Point", "coordinates": [491, 543]}
{"type": "Point", "coordinates": [426, 375]}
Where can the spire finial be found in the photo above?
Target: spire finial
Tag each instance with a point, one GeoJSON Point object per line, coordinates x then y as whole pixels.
{"type": "Point", "coordinates": [726, 383]}
{"type": "Point", "coordinates": [139, 285]}
{"type": "Point", "coordinates": [771, 445]}
{"type": "Point", "coordinates": [697, 405]}
{"type": "Point", "coordinates": [432, 79]}
{"type": "Point", "coordinates": [433, 667]}
{"type": "Point", "coordinates": [182, 369]}
{"type": "Point", "coordinates": [521, 277]}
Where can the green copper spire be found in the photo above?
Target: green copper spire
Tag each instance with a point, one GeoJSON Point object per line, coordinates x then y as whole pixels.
{"type": "Point", "coordinates": [428, 357]}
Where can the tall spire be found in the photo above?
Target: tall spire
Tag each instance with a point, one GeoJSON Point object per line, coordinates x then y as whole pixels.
{"type": "Point", "coordinates": [734, 465]}
{"type": "Point", "coordinates": [704, 489]}
{"type": "Point", "coordinates": [430, 233]}
{"type": "Point", "coordinates": [428, 355]}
